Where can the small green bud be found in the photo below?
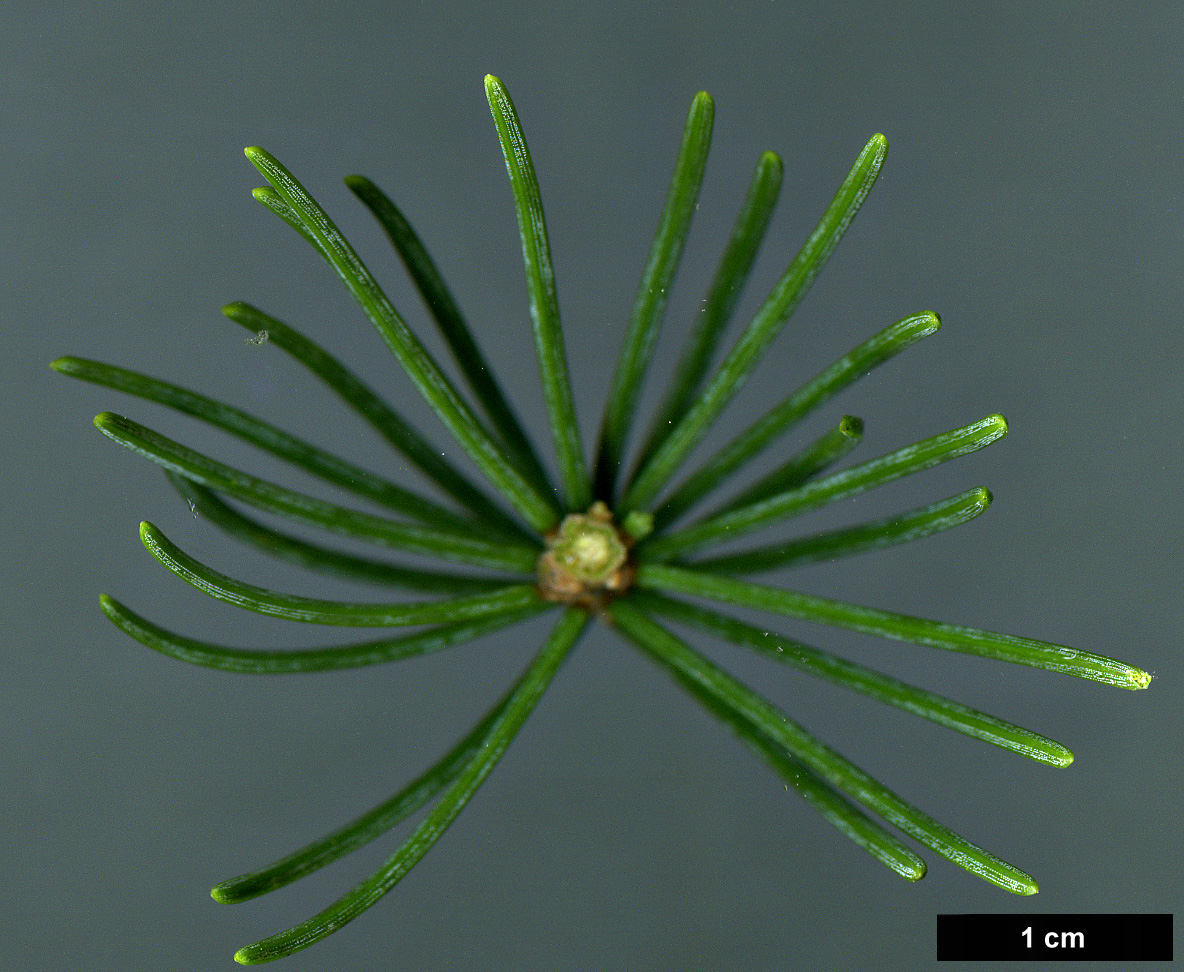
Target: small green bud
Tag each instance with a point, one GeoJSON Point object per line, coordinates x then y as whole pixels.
{"type": "Point", "coordinates": [637, 524]}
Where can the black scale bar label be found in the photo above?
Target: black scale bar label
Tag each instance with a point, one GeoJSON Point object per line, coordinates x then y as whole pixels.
{"type": "Point", "coordinates": [1054, 938]}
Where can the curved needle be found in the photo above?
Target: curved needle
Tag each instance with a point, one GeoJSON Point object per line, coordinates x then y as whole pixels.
{"type": "Point", "coordinates": [317, 611]}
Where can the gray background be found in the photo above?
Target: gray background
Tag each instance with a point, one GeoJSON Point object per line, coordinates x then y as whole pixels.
{"type": "Point", "coordinates": [1031, 197]}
